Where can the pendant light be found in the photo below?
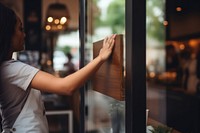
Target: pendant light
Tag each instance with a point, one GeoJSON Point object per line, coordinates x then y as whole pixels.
{"type": "Point", "coordinates": [57, 17]}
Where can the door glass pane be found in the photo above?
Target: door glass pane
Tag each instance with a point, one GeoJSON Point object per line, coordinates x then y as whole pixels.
{"type": "Point", "coordinates": [155, 59]}
{"type": "Point", "coordinates": [172, 63]}
{"type": "Point", "coordinates": [104, 114]}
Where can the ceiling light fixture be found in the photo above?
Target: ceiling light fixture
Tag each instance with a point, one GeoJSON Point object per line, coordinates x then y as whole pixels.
{"type": "Point", "coordinates": [57, 17]}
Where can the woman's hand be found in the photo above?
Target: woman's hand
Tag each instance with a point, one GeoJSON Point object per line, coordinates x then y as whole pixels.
{"type": "Point", "coordinates": [108, 45]}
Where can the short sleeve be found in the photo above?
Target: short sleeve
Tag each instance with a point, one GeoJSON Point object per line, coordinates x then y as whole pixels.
{"type": "Point", "coordinates": [18, 73]}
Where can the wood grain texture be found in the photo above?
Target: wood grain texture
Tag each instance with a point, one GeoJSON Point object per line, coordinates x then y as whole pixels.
{"type": "Point", "coordinates": [109, 79]}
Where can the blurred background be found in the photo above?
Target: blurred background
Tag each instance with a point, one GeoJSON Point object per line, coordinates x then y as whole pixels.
{"type": "Point", "coordinates": [172, 59]}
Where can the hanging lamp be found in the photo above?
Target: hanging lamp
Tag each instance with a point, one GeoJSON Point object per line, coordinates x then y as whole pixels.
{"type": "Point", "coordinates": [57, 17]}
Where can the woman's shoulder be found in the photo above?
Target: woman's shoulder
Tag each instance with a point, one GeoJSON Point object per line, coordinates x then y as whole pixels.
{"type": "Point", "coordinates": [13, 62]}
{"type": "Point", "coordinates": [15, 65]}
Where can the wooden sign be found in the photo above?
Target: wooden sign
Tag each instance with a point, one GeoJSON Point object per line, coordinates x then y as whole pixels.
{"type": "Point", "coordinates": [109, 79]}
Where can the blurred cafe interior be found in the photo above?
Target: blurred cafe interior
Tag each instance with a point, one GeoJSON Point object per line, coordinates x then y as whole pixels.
{"type": "Point", "coordinates": [165, 52]}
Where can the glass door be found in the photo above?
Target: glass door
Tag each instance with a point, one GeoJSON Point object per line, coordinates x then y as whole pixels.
{"type": "Point", "coordinates": [98, 19]}
{"type": "Point", "coordinates": [104, 114]}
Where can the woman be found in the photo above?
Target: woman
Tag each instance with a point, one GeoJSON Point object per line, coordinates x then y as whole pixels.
{"type": "Point", "coordinates": [21, 106]}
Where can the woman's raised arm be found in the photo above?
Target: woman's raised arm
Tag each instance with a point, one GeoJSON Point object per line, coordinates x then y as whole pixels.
{"type": "Point", "coordinates": [48, 83]}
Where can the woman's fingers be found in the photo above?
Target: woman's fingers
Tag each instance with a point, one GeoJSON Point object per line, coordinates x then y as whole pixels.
{"type": "Point", "coordinates": [105, 41]}
{"type": "Point", "coordinates": [109, 41]}
{"type": "Point", "coordinates": [112, 44]}
{"type": "Point", "coordinates": [108, 44]}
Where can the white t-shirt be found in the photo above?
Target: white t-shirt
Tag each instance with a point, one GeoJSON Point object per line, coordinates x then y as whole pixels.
{"type": "Point", "coordinates": [21, 106]}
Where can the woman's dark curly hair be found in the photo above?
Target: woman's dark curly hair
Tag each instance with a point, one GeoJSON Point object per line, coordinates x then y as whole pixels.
{"type": "Point", "coordinates": [8, 22]}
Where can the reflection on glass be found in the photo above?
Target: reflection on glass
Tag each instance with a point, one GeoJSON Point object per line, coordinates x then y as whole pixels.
{"type": "Point", "coordinates": [173, 64]}
{"type": "Point", "coordinates": [155, 60]}
{"type": "Point", "coordinates": [105, 114]}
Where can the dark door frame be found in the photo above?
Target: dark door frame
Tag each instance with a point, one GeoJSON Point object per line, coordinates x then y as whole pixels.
{"type": "Point", "coordinates": [135, 80]}
{"type": "Point", "coordinates": [135, 66]}
{"type": "Point", "coordinates": [82, 32]}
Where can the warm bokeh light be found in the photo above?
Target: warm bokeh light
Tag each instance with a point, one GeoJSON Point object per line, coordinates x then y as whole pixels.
{"type": "Point", "coordinates": [59, 27]}
{"type": "Point", "coordinates": [56, 21]}
{"type": "Point", "coordinates": [152, 74]}
{"type": "Point", "coordinates": [57, 17]}
{"type": "Point", "coordinates": [49, 62]}
{"type": "Point", "coordinates": [193, 43]}
{"type": "Point", "coordinates": [50, 19]}
{"type": "Point", "coordinates": [48, 27]}
{"type": "Point", "coordinates": [178, 9]}
{"type": "Point", "coordinates": [165, 23]}
{"type": "Point", "coordinates": [63, 20]}
{"type": "Point", "coordinates": [182, 46]}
